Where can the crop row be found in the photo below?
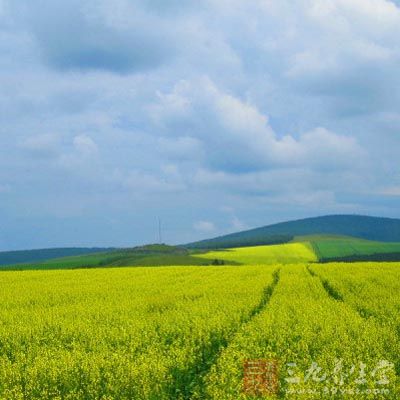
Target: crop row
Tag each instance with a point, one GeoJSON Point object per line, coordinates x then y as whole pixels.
{"type": "Point", "coordinates": [323, 347]}
{"type": "Point", "coordinates": [142, 333]}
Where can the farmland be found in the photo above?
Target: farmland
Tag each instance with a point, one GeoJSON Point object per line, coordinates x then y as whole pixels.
{"type": "Point", "coordinates": [273, 254]}
{"type": "Point", "coordinates": [184, 332]}
{"type": "Point", "coordinates": [302, 325]}
{"type": "Point", "coordinates": [353, 249]}
{"type": "Point", "coordinates": [199, 200]}
{"type": "Point", "coordinates": [142, 333]}
{"type": "Point", "coordinates": [308, 248]}
{"type": "Point", "coordinates": [151, 255]}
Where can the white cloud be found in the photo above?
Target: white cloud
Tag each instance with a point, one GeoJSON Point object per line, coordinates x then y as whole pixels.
{"type": "Point", "coordinates": [322, 148]}
{"type": "Point", "coordinates": [238, 135]}
{"type": "Point", "coordinates": [81, 158]}
{"type": "Point", "coordinates": [284, 186]}
{"type": "Point", "coordinates": [288, 106]}
{"type": "Point", "coordinates": [85, 145]}
{"type": "Point", "coordinates": [370, 17]}
{"type": "Point", "coordinates": [204, 226]}
{"type": "Point", "coordinates": [181, 148]}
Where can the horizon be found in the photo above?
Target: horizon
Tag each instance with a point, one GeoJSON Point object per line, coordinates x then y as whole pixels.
{"type": "Point", "coordinates": [110, 247]}
{"type": "Point", "coordinates": [199, 199]}
{"type": "Point", "coordinates": [213, 116]}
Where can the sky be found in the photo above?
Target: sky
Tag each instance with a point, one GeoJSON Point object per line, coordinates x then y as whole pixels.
{"type": "Point", "coordinates": [213, 115]}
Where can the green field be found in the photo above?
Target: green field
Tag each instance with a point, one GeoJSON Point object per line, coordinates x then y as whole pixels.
{"type": "Point", "coordinates": [352, 249]}
{"type": "Point", "coordinates": [150, 255]}
{"type": "Point", "coordinates": [117, 260]}
{"type": "Point", "coordinates": [309, 248]}
{"type": "Point", "coordinates": [89, 260]}
{"type": "Point", "coordinates": [84, 328]}
{"type": "Point", "coordinates": [40, 255]}
{"type": "Point", "coordinates": [184, 332]}
{"type": "Point", "coordinates": [173, 256]}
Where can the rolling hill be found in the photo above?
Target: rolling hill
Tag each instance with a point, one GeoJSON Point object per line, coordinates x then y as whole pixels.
{"type": "Point", "coordinates": [30, 256]}
{"type": "Point", "coordinates": [148, 255]}
{"type": "Point", "coordinates": [321, 239]}
{"type": "Point", "coordinates": [363, 227]}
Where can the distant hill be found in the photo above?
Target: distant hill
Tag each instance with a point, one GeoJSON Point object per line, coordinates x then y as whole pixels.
{"type": "Point", "coordinates": [28, 256]}
{"type": "Point", "coordinates": [364, 227]}
{"type": "Point", "coordinates": [331, 238]}
{"type": "Point", "coordinates": [148, 255]}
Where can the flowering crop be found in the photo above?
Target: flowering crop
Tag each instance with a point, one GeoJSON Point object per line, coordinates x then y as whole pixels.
{"type": "Point", "coordinates": [328, 331]}
{"type": "Point", "coordinates": [132, 333]}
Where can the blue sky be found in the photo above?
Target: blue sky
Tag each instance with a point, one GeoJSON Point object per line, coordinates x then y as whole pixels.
{"type": "Point", "coordinates": [213, 115]}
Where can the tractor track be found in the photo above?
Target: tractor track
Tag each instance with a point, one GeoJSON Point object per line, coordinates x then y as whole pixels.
{"type": "Point", "coordinates": [190, 381]}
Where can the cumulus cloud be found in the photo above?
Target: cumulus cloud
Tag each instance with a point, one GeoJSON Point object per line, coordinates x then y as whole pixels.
{"type": "Point", "coordinates": [287, 186]}
{"type": "Point", "coordinates": [354, 49]}
{"type": "Point", "coordinates": [237, 136]}
{"type": "Point", "coordinates": [276, 108]}
{"type": "Point", "coordinates": [181, 148]}
{"type": "Point", "coordinates": [91, 35]}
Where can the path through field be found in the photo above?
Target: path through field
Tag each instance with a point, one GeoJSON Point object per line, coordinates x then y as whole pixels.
{"type": "Point", "coordinates": [185, 332]}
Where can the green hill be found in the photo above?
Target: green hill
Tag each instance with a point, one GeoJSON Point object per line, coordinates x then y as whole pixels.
{"type": "Point", "coordinates": [29, 256]}
{"type": "Point", "coordinates": [331, 238]}
{"type": "Point", "coordinates": [364, 227]}
{"type": "Point", "coordinates": [149, 255]}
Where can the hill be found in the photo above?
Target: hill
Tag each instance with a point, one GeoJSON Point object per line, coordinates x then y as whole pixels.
{"type": "Point", "coordinates": [364, 227]}
{"type": "Point", "coordinates": [329, 238]}
{"type": "Point", "coordinates": [148, 255]}
{"type": "Point", "coordinates": [28, 256]}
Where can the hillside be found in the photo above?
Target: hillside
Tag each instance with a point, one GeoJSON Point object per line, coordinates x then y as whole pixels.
{"type": "Point", "coordinates": [30, 256]}
{"type": "Point", "coordinates": [364, 227]}
{"type": "Point", "coordinates": [331, 238]}
{"type": "Point", "coordinates": [148, 255]}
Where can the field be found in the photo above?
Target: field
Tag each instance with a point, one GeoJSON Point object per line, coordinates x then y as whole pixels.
{"type": "Point", "coordinates": [115, 260]}
{"type": "Point", "coordinates": [273, 254]}
{"type": "Point", "coordinates": [308, 248]}
{"type": "Point", "coordinates": [150, 255]}
{"type": "Point", "coordinates": [31, 256]}
{"type": "Point", "coordinates": [352, 249]}
{"type": "Point", "coordinates": [143, 333]}
{"type": "Point", "coordinates": [184, 332]}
